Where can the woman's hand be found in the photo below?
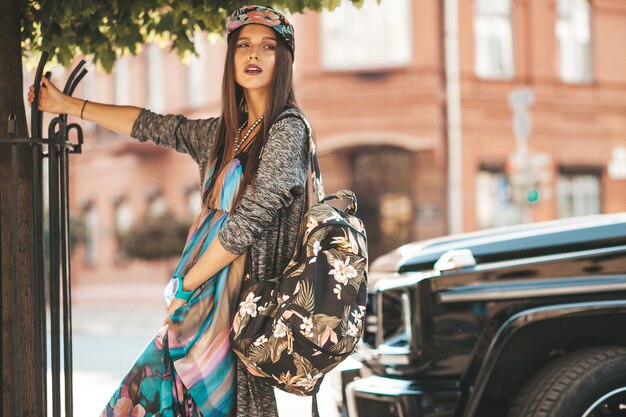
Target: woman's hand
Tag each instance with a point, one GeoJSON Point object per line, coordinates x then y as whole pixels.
{"type": "Point", "coordinates": [174, 305]}
{"type": "Point", "coordinates": [51, 99]}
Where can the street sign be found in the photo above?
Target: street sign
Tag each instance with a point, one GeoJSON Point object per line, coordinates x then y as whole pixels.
{"type": "Point", "coordinates": [521, 97]}
{"type": "Point", "coordinates": [519, 101]}
{"type": "Point", "coordinates": [522, 125]}
{"type": "Point", "coordinates": [617, 165]}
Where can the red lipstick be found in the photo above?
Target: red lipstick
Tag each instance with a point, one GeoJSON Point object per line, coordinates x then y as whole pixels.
{"type": "Point", "coordinates": [252, 69]}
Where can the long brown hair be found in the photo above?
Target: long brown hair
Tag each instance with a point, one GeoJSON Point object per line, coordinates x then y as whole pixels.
{"type": "Point", "coordinates": [234, 113]}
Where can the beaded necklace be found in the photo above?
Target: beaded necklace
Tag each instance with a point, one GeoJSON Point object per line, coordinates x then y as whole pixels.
{"type": "Point", "coordinates": [240, 140]}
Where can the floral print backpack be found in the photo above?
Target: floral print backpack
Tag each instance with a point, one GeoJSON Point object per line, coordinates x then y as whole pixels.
{"type": "Point", "coordinates": [292, 330]}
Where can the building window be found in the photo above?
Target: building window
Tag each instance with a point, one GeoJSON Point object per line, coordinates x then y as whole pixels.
{"type": "Point", "coordinates": [573, 33]}
{"type": "Point", "coordinates": [579, 193]}
{"type": "Point", "coordinates": [378, 35]}
{"type": "Point", "coordinates": [91, 233]}
{"type": "Point", "coordinates": [194, 201]}
{"type": "Point", "coordinates": [156, 92]}
{"type": "Point", "coordinates": [493, 29]}
{"type": "Point", "coordinates": [123, 220]}
{"type": "Point", "coordinates": [122, 81]}
{"type": "Point", "coordinates": [195, 85]}
{"type": "Point", "coordinates": [156, 203]}
{"type": "Point", "coordinates": [494, 207]}
{"type": "Point", "coordinates": [123, 215]}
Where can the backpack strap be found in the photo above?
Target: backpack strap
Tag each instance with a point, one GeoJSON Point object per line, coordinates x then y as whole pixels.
{"type": "Point", "coordinates": [315, 187]}
{"type": "Point", "coordinates": [343, 195]}
{"type": "Point", "coordinates": [314, 411]}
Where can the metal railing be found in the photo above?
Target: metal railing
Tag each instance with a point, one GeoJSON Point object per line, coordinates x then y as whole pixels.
{"type": "Point", "coordinates": [55, 294]}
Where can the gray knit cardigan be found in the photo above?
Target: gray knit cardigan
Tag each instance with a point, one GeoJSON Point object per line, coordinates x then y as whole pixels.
{"type": "Point", "coordinates": [267, 220]}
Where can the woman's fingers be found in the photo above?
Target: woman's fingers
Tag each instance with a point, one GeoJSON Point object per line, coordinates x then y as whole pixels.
{"type": "Point", "coordinates": [31, 95]}
{"type": "Point", "coordinates": [174, 305]}
{"type": "Point", "coordinates": [171, 308]}
{"type": "Point", "coordinates": [51, 98]}
{"type": "Point", "coordinates": [49, 88]}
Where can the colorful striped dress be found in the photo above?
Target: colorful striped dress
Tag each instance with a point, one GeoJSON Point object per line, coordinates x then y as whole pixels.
{"type": "Point", "coordinates": [188, 369]}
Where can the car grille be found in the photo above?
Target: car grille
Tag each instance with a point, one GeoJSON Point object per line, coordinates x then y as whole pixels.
{"type": "Point", "coordinates": [369, 407]}
{"type": "Point", "coordinates": [396, 317]}
{"type": "Point", "coordinates": [395, 314]}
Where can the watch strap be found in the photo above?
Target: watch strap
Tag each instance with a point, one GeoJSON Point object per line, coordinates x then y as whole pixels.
{"type": "Point", "coordinates": [180, 293]}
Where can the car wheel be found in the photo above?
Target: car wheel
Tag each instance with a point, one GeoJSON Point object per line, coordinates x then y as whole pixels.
{"type": "Point", "coordinates": [587, 383]}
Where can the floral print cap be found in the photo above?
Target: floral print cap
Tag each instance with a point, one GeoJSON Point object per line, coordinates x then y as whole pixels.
{"type": "Point", "coordinates": [262, 16]}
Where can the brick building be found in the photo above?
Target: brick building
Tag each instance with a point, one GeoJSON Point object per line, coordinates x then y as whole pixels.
{"type": "Point", "coordinates": [374, 84]}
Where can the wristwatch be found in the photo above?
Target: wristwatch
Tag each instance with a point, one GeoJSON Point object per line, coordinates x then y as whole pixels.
{"type": "Point", "coordinates": [177, 289]}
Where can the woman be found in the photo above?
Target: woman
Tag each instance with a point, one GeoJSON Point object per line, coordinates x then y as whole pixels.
{"type": "Point", "coordinates": [252, 205]}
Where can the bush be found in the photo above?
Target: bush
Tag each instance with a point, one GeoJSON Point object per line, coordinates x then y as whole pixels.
{"type": "Point", "coordinates": [154, 237]}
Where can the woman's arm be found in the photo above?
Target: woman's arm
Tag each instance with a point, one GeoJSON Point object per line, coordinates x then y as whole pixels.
{"type": "Point", "coordinates": [280, 177]}
{"type": "Point", "coordinates": [170, 131]}
{"type": "Point", "coordinates": [214, 258]}
{"type": "Point", "coordinates": [175, 131]}
{"type": "Point", "coordinates": [282, 171]}
{"type": "Point", "coordinates": [119, 119]}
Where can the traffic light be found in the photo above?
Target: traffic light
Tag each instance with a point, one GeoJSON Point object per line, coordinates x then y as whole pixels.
{"type": "Point", "coordinates": [532, 196]}
{"type": "Point", "coordinates": [528, 174]}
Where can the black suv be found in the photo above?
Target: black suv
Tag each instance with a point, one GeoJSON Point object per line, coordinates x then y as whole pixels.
{"type": "Point", "coordinates": [520, 321]}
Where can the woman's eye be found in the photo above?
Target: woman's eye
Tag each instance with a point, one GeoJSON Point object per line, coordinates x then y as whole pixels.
{"type": "Point", "coordinates": [270, 46]}
{"type": "Point", "coordinates": [242, 45]}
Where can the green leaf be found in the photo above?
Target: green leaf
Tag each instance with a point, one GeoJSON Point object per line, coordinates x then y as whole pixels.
{"type": "Point", "coordinates": [305, 297]}
{"type": "Point", "coordinates": [67, 28]}
{"type": "Point", "coordinates": [329, 321]}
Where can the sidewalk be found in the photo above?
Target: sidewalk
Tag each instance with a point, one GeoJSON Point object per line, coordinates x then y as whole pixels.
{"type": "Point", "coordinates": [112, 323]}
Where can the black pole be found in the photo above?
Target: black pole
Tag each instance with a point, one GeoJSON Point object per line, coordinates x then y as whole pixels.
{"type": "Point", "coordinates": [36, 116]}
{"type": "Point", "coordinates": [63, 183]}
{"type": "Point", "coordinates": [73, 80]}
{"type": "Point", "coordinates": [40, 288]}
{"type": "Point", "coordinates": [53, 230]}
{"type": "Point", "coordinates": [67, 292]}
{"type": "Point", "coordinates": [36, 131]}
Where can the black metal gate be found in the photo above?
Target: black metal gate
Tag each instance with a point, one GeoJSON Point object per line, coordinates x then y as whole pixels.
{"type": "Point", "coordinates": [52, 292]}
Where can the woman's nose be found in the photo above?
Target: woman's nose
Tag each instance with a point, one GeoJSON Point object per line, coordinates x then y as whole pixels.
{"type": "Point", "coordinates": [254, 54]}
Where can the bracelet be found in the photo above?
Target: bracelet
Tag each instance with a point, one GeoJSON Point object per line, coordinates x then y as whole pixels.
{"type": "Point", "coordinates": [83, 109]}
